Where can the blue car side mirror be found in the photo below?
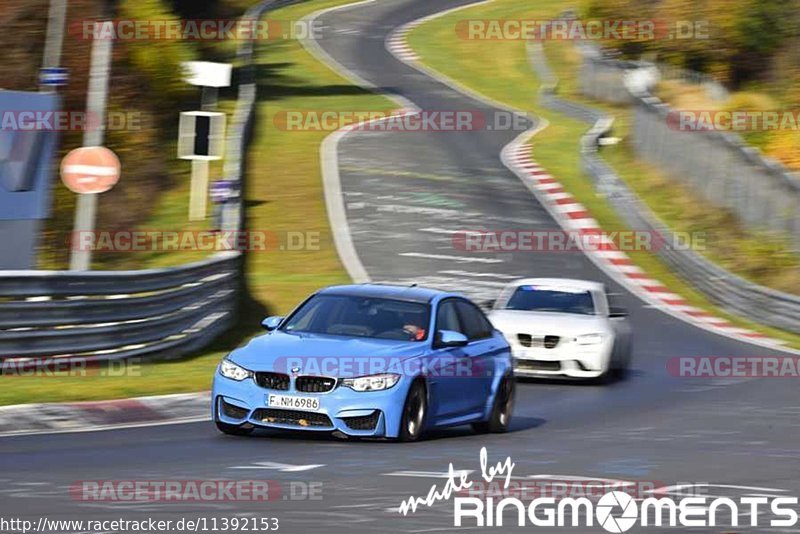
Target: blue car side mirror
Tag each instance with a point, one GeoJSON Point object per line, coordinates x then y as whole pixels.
{"type": "Point", "coordinates": [272, 322]}
{"type": "Point", "coordinates": [449, 338]}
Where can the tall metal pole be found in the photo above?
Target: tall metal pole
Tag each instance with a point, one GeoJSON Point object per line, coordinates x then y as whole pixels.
{"type": "Point", "coordinates": [54, 40]}
{"type": "Point", "coordinates": [96, 100]}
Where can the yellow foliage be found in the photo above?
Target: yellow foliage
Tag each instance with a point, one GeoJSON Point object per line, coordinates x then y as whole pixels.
{"type": "Point", "coordinates": [784, 145]}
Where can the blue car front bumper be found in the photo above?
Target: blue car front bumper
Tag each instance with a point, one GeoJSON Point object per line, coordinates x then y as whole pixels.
{"type": "Point", "coordinates": [371, 413]}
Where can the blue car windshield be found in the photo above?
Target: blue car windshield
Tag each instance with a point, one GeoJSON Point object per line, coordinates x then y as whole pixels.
{"type": "Point", "coordinates": [347, 315]}
{"type": "Point", "coordinates": [545, 299]}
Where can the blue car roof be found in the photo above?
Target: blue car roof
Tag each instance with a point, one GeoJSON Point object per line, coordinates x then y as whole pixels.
{"type": "Point", "coordinates": [386, 291]}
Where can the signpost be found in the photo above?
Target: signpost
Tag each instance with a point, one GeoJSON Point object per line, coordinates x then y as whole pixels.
{"type": "Point", "coordinates": [201, 134]}
{"type": "Point", "coordinates": [90, 170]}
{"type": "Point", "coordinates": [26, 172]}
{"type": "Point", "coordinates": [53, 76]}
{"type": "Point", "coordinates": [222, 192]}
{"type": "Point", "coordinates": [86, 208]}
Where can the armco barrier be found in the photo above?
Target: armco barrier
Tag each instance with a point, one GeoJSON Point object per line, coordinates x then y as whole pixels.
{"type": "Point", "coordinates": [155, 313]}
{"type": "Point", "coordinates": [719, 165]}
{"type": "Point", "coordinates": [731, 292]}
{"type": "Point", "coordinates": [111, 315]}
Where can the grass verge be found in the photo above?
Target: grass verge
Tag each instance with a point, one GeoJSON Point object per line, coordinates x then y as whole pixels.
{"type": "Point", "coordinates": [500, 69]}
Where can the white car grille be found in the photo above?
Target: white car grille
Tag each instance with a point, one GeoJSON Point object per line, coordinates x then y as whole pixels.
{"type": "Point", "coordinates": [538, 341]}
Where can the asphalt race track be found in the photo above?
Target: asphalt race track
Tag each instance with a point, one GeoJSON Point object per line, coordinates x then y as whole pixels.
{"type": "Point", "coordinates": [405, 193]}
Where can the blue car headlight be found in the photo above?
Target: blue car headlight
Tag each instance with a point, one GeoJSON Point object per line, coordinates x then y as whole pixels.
{"type": "Point", "coordinates": [228, 369]}
{"type": "Point", "coordinates": [372, 382]}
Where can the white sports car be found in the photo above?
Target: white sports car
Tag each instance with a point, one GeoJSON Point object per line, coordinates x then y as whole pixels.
{"type": "Point", "coordinates": [562, 327]}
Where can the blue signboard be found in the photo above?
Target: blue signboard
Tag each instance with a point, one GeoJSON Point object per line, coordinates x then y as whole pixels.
{"type": "Point", "coordinates": [27, 167]}
{"type": "Point", "coordinates": [54, 76]}
{"type": "Point", "coordinates": [223, 191]}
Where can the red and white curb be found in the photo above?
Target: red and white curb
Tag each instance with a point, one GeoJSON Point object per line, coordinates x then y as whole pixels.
{"type": "Point", "coordinates": [396, 42]}
{"type": "Point", "coordinates": [574, 216]}
{"type": "Point", "coordinates": [26, 419]}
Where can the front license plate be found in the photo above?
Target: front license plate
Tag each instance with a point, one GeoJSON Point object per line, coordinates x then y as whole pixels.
{"type": "Point", "coordinates": [527, 354]}
{"type": "Point", "coordinates": [293, 403]}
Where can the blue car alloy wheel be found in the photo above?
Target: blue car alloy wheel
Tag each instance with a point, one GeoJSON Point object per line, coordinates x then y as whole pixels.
{"type": "Point", "coordinates": [369, 360]}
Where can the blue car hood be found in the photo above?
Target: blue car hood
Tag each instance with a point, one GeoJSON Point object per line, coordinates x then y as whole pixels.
{"type": "Point", "coordinates": [322, 354]}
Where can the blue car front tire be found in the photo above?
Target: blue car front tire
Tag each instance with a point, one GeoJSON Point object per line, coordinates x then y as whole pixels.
{"type": "Point", "coordinates": [502, 408]}
{"type": "Point", "coordinates": [415, 412]}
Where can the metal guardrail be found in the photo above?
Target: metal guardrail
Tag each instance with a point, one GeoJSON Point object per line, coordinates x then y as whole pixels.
{"type": "Point", "coordinates": [718, 165]}
{"type": "Point", "coordinates": [154, 313]}
{"type": "Point", "coordinates": [111, 315]}
{"type": "Point", "coordinates": [731, 292]}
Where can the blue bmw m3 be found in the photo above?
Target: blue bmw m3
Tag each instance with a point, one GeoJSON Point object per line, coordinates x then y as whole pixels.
{"type": "Point", "coordinates": [373, 361]}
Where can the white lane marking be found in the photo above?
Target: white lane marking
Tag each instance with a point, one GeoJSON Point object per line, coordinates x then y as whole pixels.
{"type": "Point", "coordinates": [578, 478]}
{"type": "Point", "coordinates": [103, 428]}
{"type": "Point", "coordinates": [678, 487]}
{"type": "Point", "coordinates": [482, 275]}
{"type": "Point", "coordinates": [277, 466]}
{"type": "Point", "coordinates": [457, 284]}
{"type": "Point", "coordinates": [451, 232]}
{"type": "Point", "coordinates": [428, 474]}
{"type": "Point", "coordinates": [462, 259]}
{"type": "Point", "coordinates": [447, 213]}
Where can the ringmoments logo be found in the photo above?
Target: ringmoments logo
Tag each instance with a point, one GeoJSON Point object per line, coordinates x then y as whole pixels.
{"type": "Point", "coordinates": [615, 511]}
{"type": "Point", "coordinates": [605, 511]}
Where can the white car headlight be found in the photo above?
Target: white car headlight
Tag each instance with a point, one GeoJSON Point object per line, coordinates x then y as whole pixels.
{"type": "Point", "coordinates": [589, 339]}
{"type": "Point", "coordinates": [372, 382]}
{"type": "Point", "coordinates": [228, 369]}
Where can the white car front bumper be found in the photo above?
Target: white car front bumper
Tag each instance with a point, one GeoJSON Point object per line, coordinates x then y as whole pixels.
{"type": "Point", "coordinates": [570, 360]}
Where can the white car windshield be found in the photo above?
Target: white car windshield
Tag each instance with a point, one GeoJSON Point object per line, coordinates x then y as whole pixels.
{"type": "Point", "coordinates": [551, 299]}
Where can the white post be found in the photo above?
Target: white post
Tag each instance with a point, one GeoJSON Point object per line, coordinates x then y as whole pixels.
{"type": "Point", "coordinates": [86, 207]}
{"type": "Point", "coordinates": [55, 39]}
{"type": "Point", "coordinates": [198, 194]}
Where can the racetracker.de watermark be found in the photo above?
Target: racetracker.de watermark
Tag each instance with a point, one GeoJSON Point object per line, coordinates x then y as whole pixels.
{"type": "Point", "coordinates": [580, 30]}
{"type": "Point", "coordinates": [734, 367]}
{"type": "Point", "coordinates": [72, 367]}
{"type": "Point", "coordinates": [36, 120]}
{"type": "Point", "coordinates": [357, 366]}
{"type": "Point", "coordinates": [566, 488]}
{"type": "Point", "coordinates": [425, 120]}
{"type": "Point", "coordinates": [208, 490]}
{"type": "Point", "coordinates": [201, 240]}
{"type": "Point", "coordinates": [742, 120]}
{"type": "Point", "coordinates": [574, 241]}
{"type": "Point", "coordinates": [196, 29]}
